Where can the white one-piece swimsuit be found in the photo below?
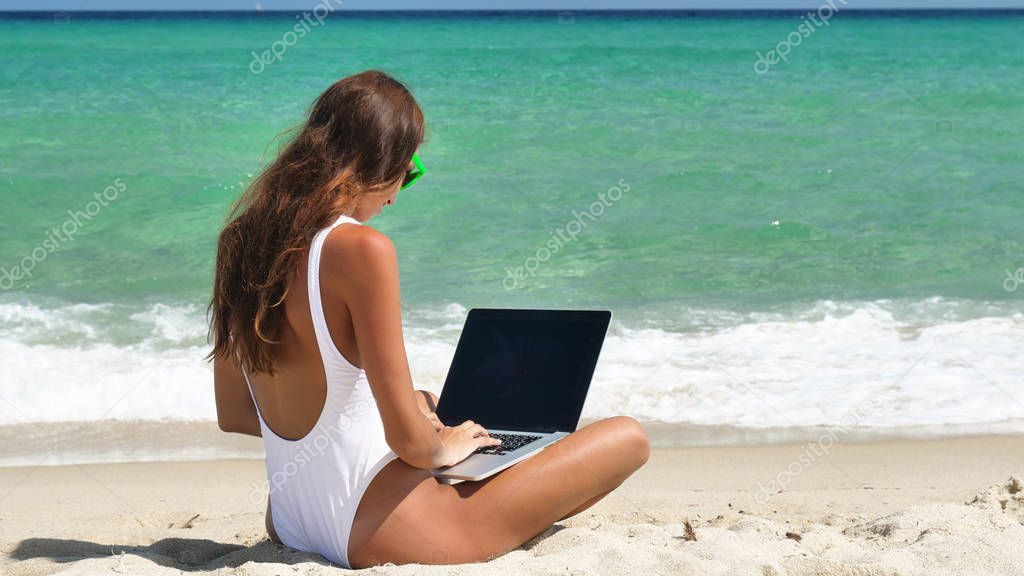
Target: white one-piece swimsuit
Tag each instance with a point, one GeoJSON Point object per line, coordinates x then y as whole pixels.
{"type": "Point", "coordinates": [315, 483]}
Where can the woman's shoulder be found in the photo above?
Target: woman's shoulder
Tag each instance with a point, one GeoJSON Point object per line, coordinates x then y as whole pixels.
{"type": "Point", "coordinates": [358, 247]}
{"type": "Point", "coordinates": [357, 239]}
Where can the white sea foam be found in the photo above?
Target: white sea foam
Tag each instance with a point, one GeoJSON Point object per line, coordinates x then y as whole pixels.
{"type": "Point", "coordinates": [811, 367]}
{"type": "Point", "coordinates": [807, 373]}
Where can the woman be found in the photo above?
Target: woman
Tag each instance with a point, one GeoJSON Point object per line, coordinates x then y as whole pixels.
{"type": "Point", "coordinates": [308, 353]}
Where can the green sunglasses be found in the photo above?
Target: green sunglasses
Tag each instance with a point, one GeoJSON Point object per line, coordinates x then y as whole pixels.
{"type": "Point", "coordinates": [415, 174]}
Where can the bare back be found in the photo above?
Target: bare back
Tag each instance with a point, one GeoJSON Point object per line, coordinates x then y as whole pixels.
{"type": "Point", "coordinates": [292, 399]}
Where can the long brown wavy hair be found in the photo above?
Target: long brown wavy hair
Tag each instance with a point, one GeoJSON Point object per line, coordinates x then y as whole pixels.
{"type": "Point", "coordinates": [358, 138]}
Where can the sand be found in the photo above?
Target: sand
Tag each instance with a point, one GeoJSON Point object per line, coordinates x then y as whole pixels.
{"type": "Point", "coordinates": [949, 506]}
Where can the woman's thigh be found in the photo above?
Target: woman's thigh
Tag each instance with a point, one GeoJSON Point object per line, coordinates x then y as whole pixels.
{"type": "Point", "coordinates": [407, 516]}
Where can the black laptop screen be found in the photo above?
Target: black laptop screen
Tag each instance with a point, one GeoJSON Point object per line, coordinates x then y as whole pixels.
{"type": "Point", "coordinates": [523, 369]}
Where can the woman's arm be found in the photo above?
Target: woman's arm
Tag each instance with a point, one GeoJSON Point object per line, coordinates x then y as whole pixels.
{"type": "Point", "coordinates": [428, 405]}
{"type": "Point", "coordinates": [360, 265]}
{"type": "Point", "coordinates": [235, 410]}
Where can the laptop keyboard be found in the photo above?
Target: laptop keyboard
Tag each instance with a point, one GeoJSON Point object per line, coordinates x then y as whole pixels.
{"type": "Point", "coordinates": [509, 442]}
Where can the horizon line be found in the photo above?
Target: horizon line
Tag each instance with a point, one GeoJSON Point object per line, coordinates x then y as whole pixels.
{"type": "Point", "coordinates": [522, 10]}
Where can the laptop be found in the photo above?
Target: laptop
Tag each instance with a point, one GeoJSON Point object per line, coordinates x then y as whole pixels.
{"type": "Point", "coordinates": [523, 375]}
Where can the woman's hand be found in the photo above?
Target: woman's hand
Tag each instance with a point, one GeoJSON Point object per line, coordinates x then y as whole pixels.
{"type": "Point", "coordinates": [462, 440]}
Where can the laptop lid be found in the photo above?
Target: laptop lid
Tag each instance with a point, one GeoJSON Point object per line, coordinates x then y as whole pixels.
{"type": "Point", "coordinates": [526, 370]}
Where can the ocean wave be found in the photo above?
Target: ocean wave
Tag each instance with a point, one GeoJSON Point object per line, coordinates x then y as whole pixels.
{"type": "Point", "coordinates": [883, 364]}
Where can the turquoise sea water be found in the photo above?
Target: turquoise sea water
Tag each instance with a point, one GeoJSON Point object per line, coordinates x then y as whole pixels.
{"type": "Point", "coordinates": [819, 217]}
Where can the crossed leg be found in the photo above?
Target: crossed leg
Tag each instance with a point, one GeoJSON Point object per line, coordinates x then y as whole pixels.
{"type": "Point", "coordinates": [407, 516]}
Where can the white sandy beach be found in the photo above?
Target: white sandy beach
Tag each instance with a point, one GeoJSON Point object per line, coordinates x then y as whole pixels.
{"type": "Point", "coordinates": [950, 506]}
